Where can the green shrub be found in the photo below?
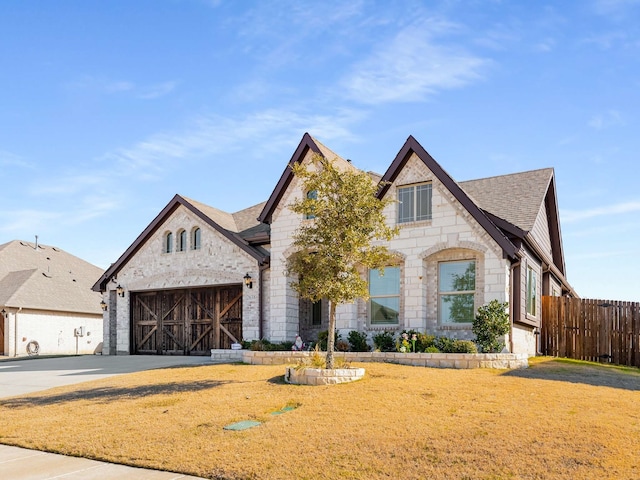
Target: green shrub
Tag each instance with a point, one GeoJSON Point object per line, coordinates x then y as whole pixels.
{"type": "Point", "coordinates": [384, 341]}
{"type": "Point", "coordinates": [464, 346]}
{"type": "Point", "coordinates": [432, 349]}
{"type": "Point", "coordinates": [358, 341]}
{"type": "Point", "coordinates": [266, 345]}
{"type": "Point", "coordinates": [444, 344]}
{"type": "Point", "coordinates": [491, 323]}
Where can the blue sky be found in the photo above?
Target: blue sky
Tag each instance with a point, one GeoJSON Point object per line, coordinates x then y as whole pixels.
{"type": "Point", "coordinates": [108, 109]}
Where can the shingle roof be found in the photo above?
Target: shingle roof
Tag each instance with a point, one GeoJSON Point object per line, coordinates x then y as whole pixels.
{"type": "Point", "coordinates": [516, 198]}
{"type": "Point", "coordinates": [46, 278]}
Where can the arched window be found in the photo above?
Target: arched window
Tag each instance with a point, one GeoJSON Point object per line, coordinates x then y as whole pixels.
{"type": "Point", "coordinates": [195, 239]}
{"type": "Point", "coordinates": [311, 195]}
{"type": "Point", "coordinates": [168, 242]}
{"type": "Point", "coordinates": [182, 240]}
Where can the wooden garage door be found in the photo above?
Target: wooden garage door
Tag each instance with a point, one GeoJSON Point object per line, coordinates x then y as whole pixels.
{"type": "Point", "coordinates": [186, 322]}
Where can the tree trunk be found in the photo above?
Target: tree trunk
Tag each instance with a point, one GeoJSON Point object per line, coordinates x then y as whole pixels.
{"type": "Point", "coordinates": [331, 337]}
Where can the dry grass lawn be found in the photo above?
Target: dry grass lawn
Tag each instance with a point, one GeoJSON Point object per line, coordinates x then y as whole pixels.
{"type": "Point", "coordinates": [556, 420]}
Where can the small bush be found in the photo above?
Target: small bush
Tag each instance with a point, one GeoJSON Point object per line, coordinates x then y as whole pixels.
{"type": "Point", "coordinates": [358, 341]}
{"type": "Point", "coordinates": [423, 340]}
{"type": "Point", "coordinates": [464, 346]}
{"type": "Point", "coordinates": [490, 324]}
{"type": "Point", "coordinates": [384, 341]}
{"type": "Point", "coordinates": [432, 349]}
{"type": "Point", "coordinates": [266, 345]}
{"type": "Point", "coordinates": [444, 344]}
{"type": "Point", "coordinates": [342, 346]}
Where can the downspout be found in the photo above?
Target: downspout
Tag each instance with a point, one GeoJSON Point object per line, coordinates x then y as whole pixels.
{"type": "Point", "coordinates": [261, 268]}
{"type": "Point", "coordinates": [512, 302]}
{"type": "Point", "coordinates": [15, 332]}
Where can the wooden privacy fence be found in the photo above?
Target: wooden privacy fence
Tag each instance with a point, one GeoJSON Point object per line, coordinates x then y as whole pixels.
{"type": "Point", "coordinates": [593, 330]}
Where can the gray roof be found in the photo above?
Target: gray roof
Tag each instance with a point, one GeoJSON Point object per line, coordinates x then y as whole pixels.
{"type": "Point", "coordinates": [46, 278]}
{"type": "Point", "coordinates": [516, 198]}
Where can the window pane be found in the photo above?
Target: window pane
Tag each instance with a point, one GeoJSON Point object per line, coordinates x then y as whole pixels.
{"type": "Point", "coordinates": [423, 202]}
{"type": "Point", "coordinates": [385, 309]}
{"type": "Point", "coordinates": [531, 291]}
{"type": "Point", "coordinates": [457, 276]}
{"type": "Point", "coordinates": [196, 239]}
{"type": "Point", "coordinates": [169, 243]}
{"type": "Point", "coordinates": [457, 308]}
{"type": "Point", "coordinates": [405, 204]}
{"type": "Point", "coordinates": [389, 284]}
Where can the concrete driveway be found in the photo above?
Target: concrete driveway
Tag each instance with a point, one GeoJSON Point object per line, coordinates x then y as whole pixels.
{"type": "Point", "coordinates": [33, 374]}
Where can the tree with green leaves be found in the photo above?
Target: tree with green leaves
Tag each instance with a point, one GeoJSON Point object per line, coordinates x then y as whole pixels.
{"type": "Point", "coordinates": [335, 244]}
{"type": "Point", "coordinates": [490, 325]}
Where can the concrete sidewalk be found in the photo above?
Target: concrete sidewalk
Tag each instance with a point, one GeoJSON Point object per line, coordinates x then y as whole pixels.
{"type": "Point", "coordinates": [22, 464]}
{"type": "Point", "coordinates": [32, 374]}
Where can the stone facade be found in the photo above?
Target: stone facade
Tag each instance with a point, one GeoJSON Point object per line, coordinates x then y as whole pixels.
{"type": "Point", "coordinates": [217, 262]}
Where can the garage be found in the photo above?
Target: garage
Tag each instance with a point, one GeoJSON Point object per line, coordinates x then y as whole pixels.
{"type": "Point", "coordinates": [188, 321]}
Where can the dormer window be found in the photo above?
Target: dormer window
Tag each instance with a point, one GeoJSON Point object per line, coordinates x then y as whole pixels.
{"type": "Point", "coordinates": [195, 239]}
{"type": "Point", "coordinates": [414, 203]}
{"type": "Point", "coordinates": [311, 195]}
{"type": "Point", "coordinates": [168, 242]}
{"type": "Point", "coordinates": [182, 240]}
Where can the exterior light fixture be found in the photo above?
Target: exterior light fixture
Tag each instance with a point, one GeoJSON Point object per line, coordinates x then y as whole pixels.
{"type": "Point", "coordinates": [3, 312]}
{"type": "Point", "coordinates": [120, 290]}
{"type": "Point", "coordinates": [103, 306]}
{"type": "Point", "coordinates": [248, 281]}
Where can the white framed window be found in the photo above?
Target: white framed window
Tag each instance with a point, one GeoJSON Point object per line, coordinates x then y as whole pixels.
{"type": "Point", "coordinates": [532, 291]}
{"type": "Point", "coordinates": [168, 242]}
{"type": "Point", "coordinates": [384, 296]}
{"type": "Point", "coordinates": [414, 203]}
{"type": "Point", "coordinates": [182, 240]}
{"type": "Point", "coordinates": [195, 239]}
{"type": "Point", "coordinates": [456, 291]}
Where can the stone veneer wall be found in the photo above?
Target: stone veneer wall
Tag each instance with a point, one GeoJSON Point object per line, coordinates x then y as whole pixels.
{"type": "Point", "coordinates": [436, 360]}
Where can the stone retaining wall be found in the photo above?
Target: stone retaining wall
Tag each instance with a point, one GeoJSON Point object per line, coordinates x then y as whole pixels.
{"type": "Point", "coordinates": [435, 360]}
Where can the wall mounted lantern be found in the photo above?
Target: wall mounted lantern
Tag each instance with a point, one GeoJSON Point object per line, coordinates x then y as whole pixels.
{"type": "Point", "coordinates": [248, 281]}
{"type": "Point", "coordinates": [3, 312]}
{"type": "Point", "coordinates": [120, 290]}
{"type": "Point", "coordinates": [103, 306]}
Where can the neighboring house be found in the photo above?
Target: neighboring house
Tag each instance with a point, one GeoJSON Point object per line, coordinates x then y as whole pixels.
{"type": "Point", "coordinates": [46, 302]}
{"type": "Point", "coordinates": [185, 282]}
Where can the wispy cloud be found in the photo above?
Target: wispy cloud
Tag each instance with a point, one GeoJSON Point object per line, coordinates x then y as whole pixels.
{"type": "Point", "coordinates": [111, 87]}
{"type": "Point", "coordinates": [569, 216]}
{"type": "Point", "coordinates": [8, 159]}
{"type": "Point", "coordinates": [545, 45]}
{"type": "Point", "coordinates": [610, 118]}
{"type": "Point", "coordinates": [412, 66]}
{"type": "Point", "coordinates": [212, 135]}
{"type": "Point", "coordinates": [156, 91]}
{"type": "Point", "coordinates": [614, 8]}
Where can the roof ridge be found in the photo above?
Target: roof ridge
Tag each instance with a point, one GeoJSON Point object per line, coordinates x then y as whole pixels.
{"type": "Point", "coordinates": [506, 175]}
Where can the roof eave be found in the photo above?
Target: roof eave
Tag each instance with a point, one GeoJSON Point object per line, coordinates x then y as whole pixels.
{"type": "Point", "coordinates": [307, 143]}
{"type": "Point", "coordinates": [175, 202]}
{"type": "Point", "coordinates": [412, 146]}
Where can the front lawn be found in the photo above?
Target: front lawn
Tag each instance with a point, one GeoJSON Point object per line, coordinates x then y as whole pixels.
{"type": "Point", "coordinates": [555, 420]}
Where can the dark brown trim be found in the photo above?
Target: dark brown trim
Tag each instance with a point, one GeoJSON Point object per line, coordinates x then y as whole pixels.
{"type": "Point", "coordinates": [175, 202]}
{"type": "Point", "coordinates": [304, 146]}
{"type": "Point", "coordinates": [412, 146]}
{"type": "Point", "coordinates": [551, 205]}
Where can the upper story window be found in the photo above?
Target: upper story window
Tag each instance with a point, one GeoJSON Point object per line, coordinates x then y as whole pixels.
{"type": "Point", "coordinates": [456, 291]}
{"type": "Point", "coordinates": [168, 242]}
{"type": "Point", "coordinates": [384, 296]}
{"type": "Point", "coordinates": [311, 195]}
{"type": "Point", "coordinates": [195, 239]}
{"type": "Point", "coordinates": [182, 240]}
{"type": "Point", "coordinates": [414, 203]}
{"type": "Point", "coordinates": [532, 293]}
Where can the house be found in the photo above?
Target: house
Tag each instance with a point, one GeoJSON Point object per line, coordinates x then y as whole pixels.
{"type": "Point", "coordinates": [199, 278]}
{"type": "Point", "coordinates": [46, 302]}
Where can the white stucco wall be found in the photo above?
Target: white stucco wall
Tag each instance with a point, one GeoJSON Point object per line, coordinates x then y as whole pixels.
{"type": "Point", "coordinates": [53, 331]}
